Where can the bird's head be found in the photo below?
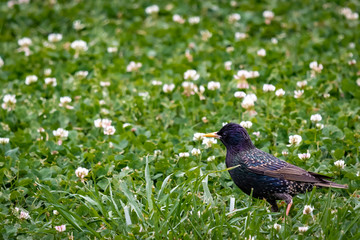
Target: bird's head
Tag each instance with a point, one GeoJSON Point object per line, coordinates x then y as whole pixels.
{"type": "Point", "coordinates": [233, 135]}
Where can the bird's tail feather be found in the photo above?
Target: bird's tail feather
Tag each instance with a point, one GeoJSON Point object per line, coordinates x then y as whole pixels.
{"type": "Point", "coordinates": [330, 184]}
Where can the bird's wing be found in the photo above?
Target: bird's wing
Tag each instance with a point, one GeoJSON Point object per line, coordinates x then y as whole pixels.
{"type": "Point", "coordinates": [277, 168]}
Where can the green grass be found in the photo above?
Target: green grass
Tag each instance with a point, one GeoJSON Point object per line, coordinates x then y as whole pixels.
{"type": "Point", "coordinates": [168, 197]}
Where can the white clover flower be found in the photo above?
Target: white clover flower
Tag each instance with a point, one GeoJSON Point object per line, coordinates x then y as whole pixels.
{"type": "Point", "coordinates": [230, 49]}
{"type": "Point", "coordinates": [316, 118]}
{"type": "Point", "coordinates": [352, 62]}
{"type": "Point", "coordinates": [301, 84]}
{"type": "Point", "coordinates": [194, 20]}
{"type": "Point", "coordinates": [157, 152]}
{"type": "Point", "coordinates": [319, 125]}
{"type": "Point", "coordinates": [133, 66]}
{"type": "Point", "coordinates": [81, 173]}
{"type": "Point", "coordinates": [109, 130]}
{"type": "Point", "coordinates": [64, 102]}
{"type": "Point", "coordinates": [104, 84]}
{"type": "Point", "coordinates": [252, 96]}
{"type": "Point", "coordinates": [349, 14]}
{"type": "Point", "coordinates": [79, 45]}
{"type": "Point", "coordinates": [295, 140]}
{"type": "Point", "coordinates": [5, 127]}
{"type": "Point", "coordinates": [55, 37]}
{"type": "Point", "coordinates": [240, 36]}
{"type": "Point", "coordinates": [77, 25]}
{"type": "Point", "coordinates": [261, 52]}
{"type": "Point", "coordinates": [340, 164]}
{"type": "Point", "coordinates": [353, 16]}
{"type": "Point", "coordinates": [179, 19]}
{"type": "Point", "coordinates": [97, 123]}
{"type": "Point", "coordinates": [213, 85]}
{"type": "Point", "coordinates": [304, 156]}
{"type": "Point", "coordinates": [308, 209]}
{"type": "Point", "coordinates": [184, 154]}
{"type": "Point", "coordinates": [239, 94]}
{"type": "Point", "coordinates": [257, 134]}
{"type": "Point", "coordinates": [102, 123]}
{"type": "Point", "coordinates": [55, 212]}
{"type": "Point", "coordinates": [247, 102]}
{"type": "Point", "coordinates": [195, 152]}
{"type": "Point", "coordinates": [81, 74]}
{"type": "Point", "coordinates": [204, 120]}
{"type": "Point", "coordinates": [285, 153]}
{"type": "Point", "coordinates": [167, 88]}
{"type": "Point", "coordinates": [274, 41]}
{"type": "Point", "coordinates": [191, 75]}
{"type": "Point", "coordinates": [156, 83]}
{"type": "Point", "coordinates": [112, 49]}
{"type": "Point", "coordinates": [51, 81]}
{"type": "Point", "coordinates": [105, 123]}
{"type": "Point", "coordinates": [153, 9]}
{"type": "Point", "coordinates": [4, 141]}
{"type": "Point", "coordinates": [198, 136]}
{"type": "Point", "coordinates": [205, 35]}
{"type": "Point", "coordinates": [61, 133]}
{"type": "Point", "coordinates": [125, 125]}
{"type": "Point", "coordinates": [24, 215]}
{"type": "Point", "coordinates": [268, 88]}
{"type": "Point", "coordinates": [211, 158]}
{"type": "Point", "coordinates": [277, 227]}
{"type": "Point", "coordinates": [208, 142]}
{"type": "Point", "coordinates": [200, 90]}
{"type": "Point", "coordinates": [298, 93]}
{"type": "Point", "coordinates": [316, 67]}
{"type": "Point", "coordinates": [1, 62]}
{"type": "Point", "coordinates": [227, 65]}
{"type": "Point", "coordinates": [234, 17]}
{"type": "Point", "coordinates": [244, 74]}
{"type": "Point", "coordinates": [246, 124]}
{"type": "Point", "coordinates": [327, 95]}
{"type": "Point", "coordinates": [31, 79]}
{"type": "Point", "coordinates": [189, 88]}
{"type": "Point", "coordinates": [24, 42]}
{"type": "Point", "coordinates": [280, 92]}
{"type": "Point", "coordinates": [303, 229]}
{"type": "Point", "coordinates": [9, 102]}
{"type": "Point", "coordinates": [268, 14]}
{"type": "Point", "coordinates": [47, 72]}
{"type": "Point", "coordinates": [61, 228]}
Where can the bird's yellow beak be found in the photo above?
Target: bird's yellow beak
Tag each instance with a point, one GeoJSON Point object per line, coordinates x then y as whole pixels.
{"type": "Point", "coordinates": [213, 135]}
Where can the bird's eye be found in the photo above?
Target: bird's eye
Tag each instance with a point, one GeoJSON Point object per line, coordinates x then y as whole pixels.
{"type": "Point", "coordinates": [223, 135]}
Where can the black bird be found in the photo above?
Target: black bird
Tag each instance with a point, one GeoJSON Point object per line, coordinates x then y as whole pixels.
{"type": "Point", "coordinates": [265, 175]}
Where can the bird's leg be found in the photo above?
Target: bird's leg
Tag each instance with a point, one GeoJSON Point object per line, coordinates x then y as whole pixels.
{"type": "Point", "coordinates": [274, 206]}
{"type": "Point", "coordinates": [288, 207]}
{"type": "Point", "coordinates": [287, 198]}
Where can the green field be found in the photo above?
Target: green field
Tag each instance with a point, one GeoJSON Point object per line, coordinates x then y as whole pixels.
{"type": "Point", "coordinates": [65, 66]}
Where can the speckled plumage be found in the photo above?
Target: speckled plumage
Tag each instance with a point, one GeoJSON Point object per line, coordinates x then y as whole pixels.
{"type": "Point", "coordinates": [265, 175]}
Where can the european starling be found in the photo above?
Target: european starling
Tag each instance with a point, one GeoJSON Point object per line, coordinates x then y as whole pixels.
{"type": "Point", "coordinates": [266, 176]}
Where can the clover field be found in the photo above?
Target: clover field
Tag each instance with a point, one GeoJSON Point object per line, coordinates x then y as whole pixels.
{"type": "Point", "coordinates": [103, 103]}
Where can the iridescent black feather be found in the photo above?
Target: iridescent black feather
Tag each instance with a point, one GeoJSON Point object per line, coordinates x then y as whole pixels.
{"type": "Point", "coordinates": [265, 175]}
